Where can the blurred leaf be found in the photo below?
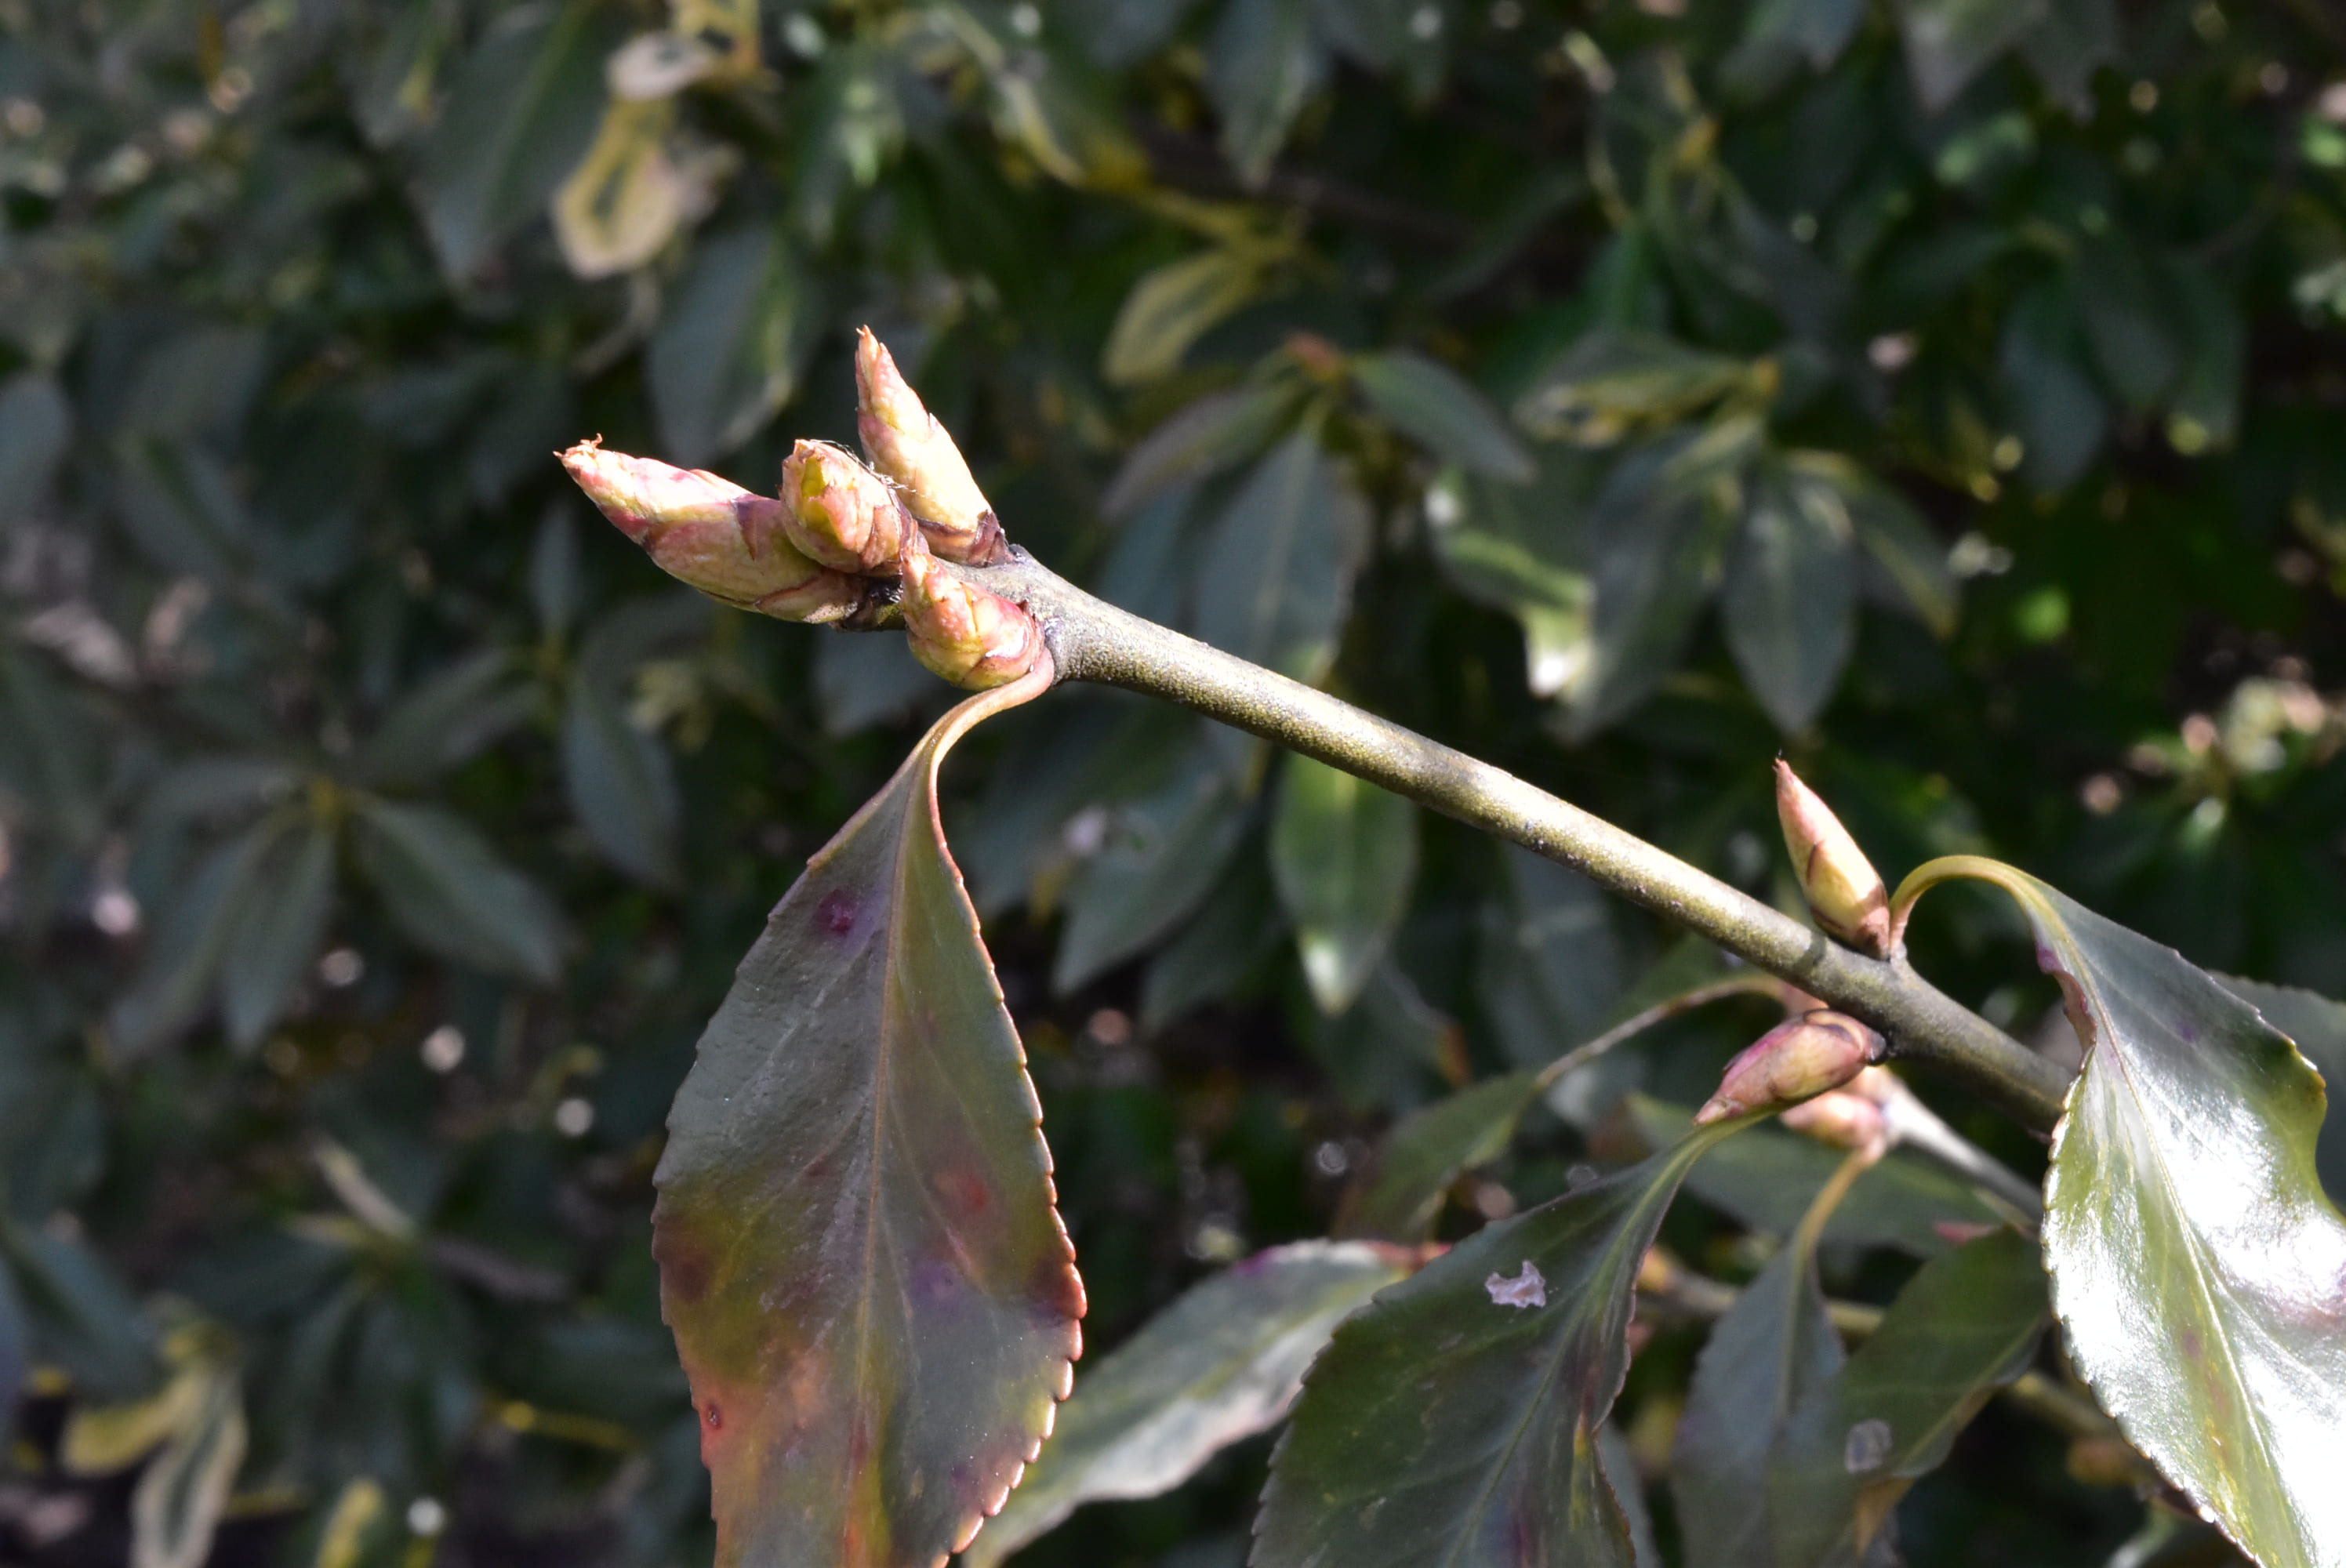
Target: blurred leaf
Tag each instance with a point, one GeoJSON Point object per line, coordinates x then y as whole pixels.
{"type": "Point", "coordinates": [1547, 962]}
{"type": "Point", "coordinates": [179, 507]}
{"type": "Point", "coordinates": [192, 937]}
{"type": "Point", "coordinates": [555, 589]}
{"type": "Point", "coordinates": [1442, 411]}
{"type": "Point", "coordinates": [1238, 925]}
{"type": "Point", "coordinates": [2125, 311]}
{"type": "Point", "coordinates": [1389, 1048]}
{"type": "Point", "coordinates": [16, 1350]}
{"type": "Point", "coordinates": [1399, 1195]}
{"type": "Point", "coordinates": [622, 204]}
{"type": "Point", "coordinates": [1894, 533]}
{"type": "Point", "coordinates": [2205, 410]}
{"type": "Point", "coordinates": [36, 427]}
{"type": "Point", "coordinates": [1172, 306]}
{"type": "Point", "coordinates": [2075, 40]}
{"type": "Point", "coordinates": [2059, 416]}
{"type": "Point", "coordinates": [79, 1313]}
{"type": "Point", "coordinates": [2199, 1269]}
{"type": "Point", "coordinates": [1158, 857]}
{"type": "Point", "coordinates": [451, 893]}
{"type": "Point", "coordinates": [1817, 30]}
{"type": "Point", "coordinates": [870, 1292]}
{"type": "Point", "coordinates": [183, 1494]}
{"type": "Point", "coordinates": [1966, 1324]}
{"type": "Point", "coordinates": [1517, 549]}
{"type": "Point", "coordinates": [1262, 66]}
{"type": "Point", "coordinates": [1488, 1448]}
{"type": "Point", "coordinates": [1343, 854]}
{"type": "Point", "coordinates": [2317, 1025]}
{"type": "Point", "coordinates": [1207, 436]}
{"type": "Point", "coordinates": [621, 784]}
{"type": "Point", "coordinates": [521, 112]}
{"type": "Point", "coordinates": [277, 931]}
{"type": "Point", "coordinates": [444, 720]}
{"type": "Point", "coordinates": [1275, 580]}
{"type": "Point", "coordinates": [1789, 600]}
{"type": "Point", "coordinates": [863, 681]}
{"type": "Point", "coordinates": [1617, 379]}
{"type": "Point", "coordinates": [1222, 1363]}
{"type": "Point", "coordinates": [351, 1525]}
{"type": "Point", "coordinates": [728, 348]}
{"type": "Point", "coordinates": [1949, 42]}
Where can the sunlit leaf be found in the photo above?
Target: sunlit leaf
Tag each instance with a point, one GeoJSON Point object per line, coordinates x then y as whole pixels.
{"type": "Point", "coordinates": [1455, 1420]}
{"type": "Point", "coordinates": [1789, 600]}
{"type": "Point", "coordinates": [1171, 307]}
{"type": "Point", "coordinates": [183, 1494]}
{"type": "Point", "coordinates": [869, 1288]}
{"type": "Point", "coordinates": [1442, 411]}
{"type": "Point", "coordinates": [1343, 854]}
{"type": "Point", "coordinates": [1616, 380]}
{"type": "Point", "coordinates": [1963, 1326]}
{"type": "Point", "coordinates": [1276, 578]}
{"type": "Point", "coordinates": [2198, 1266]}
{"type": "Point", "coordinates": [1519, 549]}
{"type": "Point", "coordinates": [623, 202]}
{"type": "Point", "coordinates": [1220, 1364]}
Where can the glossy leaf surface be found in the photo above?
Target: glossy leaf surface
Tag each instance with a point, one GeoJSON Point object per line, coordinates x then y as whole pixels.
{"type": "Point", "coordinates": [859, 1255]}
{"type": "Point", "coordinates": [1455, 1420]}
{"type": "Point", "coordinates": [2198, 1266]}
{"type": "Point", "coordinates": [2318, 1026]}
{"type": "Point", "coordinates": [1963, 1326]}
{"type": "Point", "coordinates": [1220, 1364]}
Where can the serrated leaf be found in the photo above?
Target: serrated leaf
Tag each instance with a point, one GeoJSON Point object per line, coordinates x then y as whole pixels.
{"type": "Point", "coordinates": [1966, 1324]}
{"type": "Point", "coordinates": [869, 1289]}
{"type": "Point", "coordinates": [277, 932]}
{"type": "Point", "coordinates": [1398, 1197]}
{"type": "Point", "coordinates": [452, 894]}
{"type": "Point", "coordinates": [729, 345]}
{"type": "Point", "coordinates": [521, 111]}
{"type": "Point", "coordinates": [1262, 66]}
{"type": "Point", "coordinates": [621, 785]}
{"type": "Point", "coordinates": [1949, 42]}
{"type": "Point", "coordinates": [1220, 1364]}
{"type": "Point", "coordinates": [2318, 1027]}
{"type": "Point", "coordinates": [1788, 603]}
{"type": "Point", "coordinates": [36, 426]}
{"type": "Point", "coordinates": [1456, 1419]}
{"type": "Point", "coordinates": [2197, 1267]}
{"type": "Point", "coordinates": [1171, 307]}
{"type": "Point", "coordinates": [1214, 432]}
{"type": "Point", "coordinates": [1343, 854]}
{"type": "Point", "coordinates": [1442, 412]}
{"type": "Point", "coordinates": [1275, 576]}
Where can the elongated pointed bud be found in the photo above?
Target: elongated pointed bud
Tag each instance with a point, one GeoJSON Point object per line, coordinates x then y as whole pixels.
{"type": "Point", "coordinates": [972, 638]}
{"type": "Point", "coordinates": [914, 452]}
{"type": "Point", "coordinates": [713, 535]}
{"type": "Point", "coordinates": [840, 512]}
{"type": "Point", "coordinates": [1798, 1060]}
{"type": "Point", "coordinates": [1843, 890]}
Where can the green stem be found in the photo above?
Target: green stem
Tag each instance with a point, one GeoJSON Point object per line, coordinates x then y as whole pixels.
{"type": "Point", "coordinates": [1096, 642]}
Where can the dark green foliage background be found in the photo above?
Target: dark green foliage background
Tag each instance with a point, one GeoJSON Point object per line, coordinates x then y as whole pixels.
{"type": "Point", "coordinates": [331, 718]}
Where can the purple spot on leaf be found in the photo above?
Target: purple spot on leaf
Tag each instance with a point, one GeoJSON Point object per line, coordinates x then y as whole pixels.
{"type": "Point", "coordinates": [837, 911]}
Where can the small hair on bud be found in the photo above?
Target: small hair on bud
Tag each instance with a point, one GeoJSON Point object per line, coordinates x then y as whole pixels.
{"type": "Point", "coordinates": [1798, 1060]}
{"type": "Point", "coordinates": [838, 512]}
{"type": "Point", "coordinates": [971, 636]}
{"type": "Point", "coordinates": [913, 450]}
{"type": "Point", "coordinates": [1843, 891]}
{"type": "Point", "coordinates": [712, 535]}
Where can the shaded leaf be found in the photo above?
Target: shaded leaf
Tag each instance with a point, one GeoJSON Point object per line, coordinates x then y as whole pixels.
{"type": "Point", "coordinates": [1238, 927]}
{"type": "Point", "coordinates": [1171, 307]}
{"type": "Point", "coordinates": [1895, 536]}
{"type": "Point", "coordinates": [1207, 435]}
{"type": "Point", "coordinates": [2074, 39]}
{"type": "Point", "coordinates": [2197, 1267]}
{"type": "Point", "coordinates": [1276, 577]}
{"type": "Point", "coordinates": [520, 113]}
{"type": "Point", "coordinates": [1343, 854]}
{"type": "Point", "coordinates": [16, 1346]}
{"type": "Point", "coordinates": [451, 893]}
{"type": "Point", "coordinates": [1262, 63]}
{"type": "Point", "coordinates": [79, 1314]}
{"type": "Point", "coordinates": [2126, 306]}
{"type": "Point", "coordinates": [2204, 410]}
{"type": "Point", "coordinates": [174, 977]}
{"type": "Point", "coordinates": [1158, 856]}
{"type": "Point", "coordinates": [1454, 1420]}
{"type": "Point", "coordinates": [1399, 1194]}
{"type": "Point", "coordinates": [183, 1494]}
{"type": "Point", "coordinates": [1442, 412]}
{"type": "Point", "coordinates": [730, 342]}
{"type": "Point", "coordinates": [36, 426]}
{"type": "Point", "coordinates": [860, 681]}
{"type": "Point", "coordinates": [870, 1292]}
{"type": "Point", "coordinates": [444, 720]}
{"type": "Point", "coordinates": [621, 784]}
{"type": "Point", "coordinates": [1220, 1364]}
{"type": "Point", "coordinates": [1949, 42]}
{"type": "Point", "coordinates": [1965, 1324]}
{"type": "Point", "coordinates": [278, 930]}
{"type": "Point", "coordinates": [2058, 415]}
{"type": "Point", "coordinates": [1788, 603]}
{"type": "Point", "coordinates": [1547, 959]}
{"type": "Point", "coordinates": [554, 588]}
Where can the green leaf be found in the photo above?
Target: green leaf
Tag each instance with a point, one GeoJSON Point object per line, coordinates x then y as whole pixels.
{"type": "Point", "coordinates": [1171, 307]}
{"type": "Point", "coordinates": [179, 505]}
{"type": "Point", "coordinates": [2126, 306]}
{"type": "Point", "coordinates": [1442, 412]}
{"type": "Point", "coordinates": [444, 720]}
{"type": "Point", "coordinates": [2056, 409]}
{"type": "Point", "coordinates": [1158, 856]}
{"type": "Point", "coordinates": [175, 978]}
{"type": "Point", "coordinates": [621, 784]}
{"type": "Point", "coordinates": [1240, 924]}
{"type": "Point", "coordinates": [870, 1291]}
{"type": "Point", "coordinates": [1262, 66]}
{"type": "Point", "coordinates": [1949, 42]}
{"type": "Point", "coordinates": [79, 1314]}
{"type": "Point", "coordinates": [16, 1347]}
{"type": "Point", "coordinates": [1789, 601]}
{"type": "Point", "coordinates": [1343, 854]}
{"type": "Point", "coordinates": [278, 930]}
{"type": "Point", "coordinates": [2204, 410]}
{"type": "Point", "coordinates": [1519, 549]}
{"type": "Point", "coordinates": [729, 345]}
{"type": "Point", "coordinates": [1547, 959]}
{"type": "Point", "coordinates": [1220, 1364]}
{"type": "Point", "coordinates": [1618, 380]}
{"type": "Point", "coordinates": [2197, 1266]}
{"type": "Point", "coordinates": [1894, 534]}
{"type": "Point", "coordinates": [1276, 575]}
{"type": "Point", "coordinates": [36, 427]}
{"type": "Point", "coordinates": [2075, 40]}
{"type": "Point", "coordinates": [1455, 1420]}
{"type": "Point", "coordinates": [520, 114]}
{"type": "Point", "coordinates": [1214, 432]}
{"type": "Point", "coordinates": [1965, 1324]}
{"type": "Point", "coordinates": [1817, 30]}
{"type": "Point", "coordinates": [451, 893]}
{"type": "Point", "coordinates": [1399, 1197]}
{"type": "Point", "coordinates": [2317, 1025]}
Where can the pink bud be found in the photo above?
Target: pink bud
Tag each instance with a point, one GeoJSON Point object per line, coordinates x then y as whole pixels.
{"type": "Point", "coordinates": [840, 512]}
{"type": "Point", "coordinates": [1843, 890]}
{"type": "Point", "coordinates": [712, 535]}
{"type": "Point", "coordinates": [972, 638]}
{"type": "Point", "coordinates": [1844, 1119]}
{"type": "Point", "coordinates": [1798, 1059]}
{"type": "Point", "coordinates": [917, 455]}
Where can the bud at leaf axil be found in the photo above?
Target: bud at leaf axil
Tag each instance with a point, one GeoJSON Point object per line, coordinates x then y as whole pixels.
{"type": "Point", "coordinates": [972, 638]}
{"type": "Point", "coordinates": [712, 535]}
{"type": "Point", "coordinates": [914, 453]}
{"type": "Point", "coordinates": [1844, 891]}
{"type": "Point", "coordinates": [1798, 1060]}
{"type": "Point", "coordinates": [840, 512]}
